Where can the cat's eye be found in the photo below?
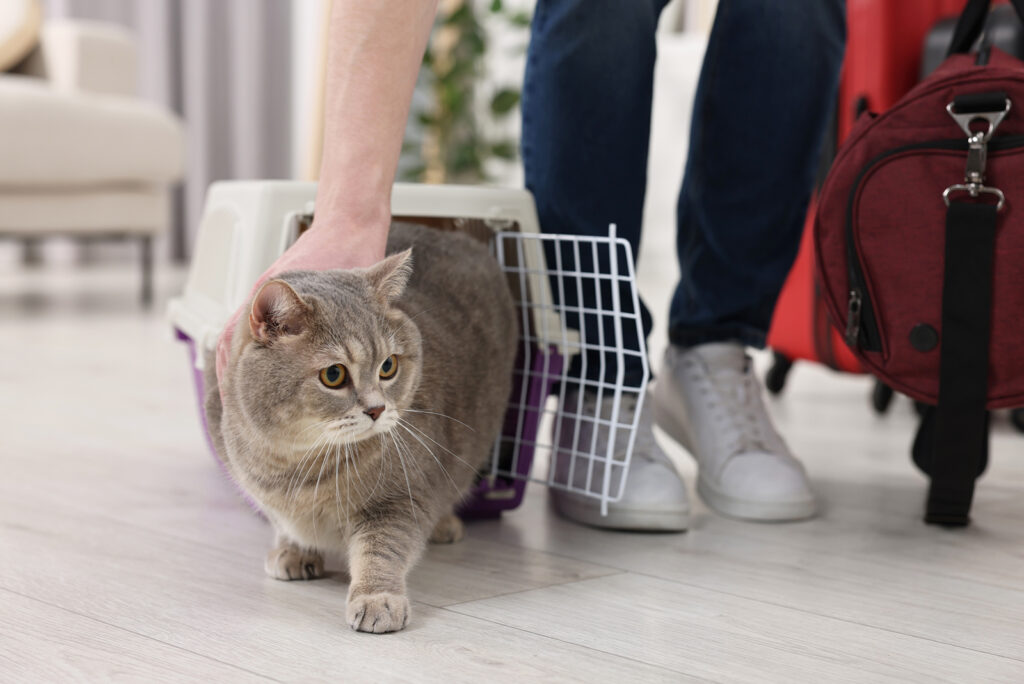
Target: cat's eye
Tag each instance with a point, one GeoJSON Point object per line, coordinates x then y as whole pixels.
{"type": "Point", "coordinates": [334, 376]}
{"type": "Point", "coordinates": [389, 367]}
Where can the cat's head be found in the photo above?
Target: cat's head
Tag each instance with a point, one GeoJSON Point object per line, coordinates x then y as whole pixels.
{"type": "Point", "coordinates": [327, 356]}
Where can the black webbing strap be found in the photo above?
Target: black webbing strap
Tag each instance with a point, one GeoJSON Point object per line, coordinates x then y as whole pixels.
{"type": "Point", "coordinates": [974, 103]}
{"type": "Point", "coordinates": [971, 23]}
{"type": "Point", "coordinates": [960, 422]}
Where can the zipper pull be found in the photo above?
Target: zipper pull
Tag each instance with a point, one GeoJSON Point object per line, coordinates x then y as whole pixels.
{"type": "Point", "coordinates": [853, 318]}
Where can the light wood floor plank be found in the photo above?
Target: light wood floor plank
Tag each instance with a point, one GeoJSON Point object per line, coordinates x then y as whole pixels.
{"type": "Point", "coordinates": [116, 528]}
{"type": "Point", "coordinates": [214, 603]}
{"type": "Point", "coordinates": [880, 588]}
{"type": "Point", "coordinates": [723, 637]}
{"type": "Point", "coordinates": [41, 643]}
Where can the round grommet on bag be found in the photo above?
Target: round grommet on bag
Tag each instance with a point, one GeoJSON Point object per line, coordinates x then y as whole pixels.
{"type": "Point", "coordinates": [924, 337]}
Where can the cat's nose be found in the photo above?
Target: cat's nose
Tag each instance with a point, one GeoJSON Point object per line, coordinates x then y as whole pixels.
{"type": "Point", "coordinates": [374, 412]}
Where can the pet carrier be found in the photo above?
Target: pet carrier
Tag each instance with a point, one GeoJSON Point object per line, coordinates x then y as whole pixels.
{"type": "Point", "coordinates": [246, 225]}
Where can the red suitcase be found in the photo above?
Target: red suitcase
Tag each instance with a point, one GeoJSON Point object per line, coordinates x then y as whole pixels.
{"type": "Point", "coordinates": [883, 52]}
{"type": "Point", "coordinates": [883, 61]}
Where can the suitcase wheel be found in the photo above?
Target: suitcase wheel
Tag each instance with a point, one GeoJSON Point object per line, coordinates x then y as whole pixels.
{"type": "Point", "coordinates": [1017, 418]}
{"type": "Point", "coordinates": [775, 378]}
{"type": "Point", "coordinates": [881, 397]}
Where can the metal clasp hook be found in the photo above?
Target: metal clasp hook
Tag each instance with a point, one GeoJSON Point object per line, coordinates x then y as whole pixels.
{"type": "Point", "coordinates": [974, 191]}
{"type": "Point", "coordinates": [977, 153]}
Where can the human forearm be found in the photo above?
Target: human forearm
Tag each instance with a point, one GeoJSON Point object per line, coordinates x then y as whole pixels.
{"type": "Point", "coordinates": [374, 53]}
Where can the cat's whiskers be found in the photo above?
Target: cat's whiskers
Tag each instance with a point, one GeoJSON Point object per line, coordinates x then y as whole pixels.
{"type": "Point", "coordinates": [413, 461]}
{"type": "Point", "coordinates": [406, 424]}
{"type": "Point", "coordinates": [348, 493]}
{"type": "Point", "coordinates": [316, 488]}
{"type": "Point", "coordinates": [323, 435]}
{"type": "Point", "coordinates": [380, 471]}
{"type": "Point", "coordinates": [319, 453]}
{"type": "Point", "coordinates": [355, 465]}
{"type": "Point", "coordinates": [435, 413]}
{"type": "Point", "coordinates": [298, 475]}
{"type": "Point", "coordinates": [337, 488]}
{"type": "Point", "coordinates": [306, 429]}
{"type": "Point", "coordinates": [439, 464]}
{"type": "Point", "coordinates": [408, 486]}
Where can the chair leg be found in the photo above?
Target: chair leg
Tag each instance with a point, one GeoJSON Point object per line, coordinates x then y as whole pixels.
{"type": "Point", "coordinates": [32, 253]}
{"type": "Point", "coordinates": [146, 245]}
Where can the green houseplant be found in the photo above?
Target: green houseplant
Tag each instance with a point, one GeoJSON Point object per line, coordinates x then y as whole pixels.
{"type": "Point", "coordinates": [454, 147]}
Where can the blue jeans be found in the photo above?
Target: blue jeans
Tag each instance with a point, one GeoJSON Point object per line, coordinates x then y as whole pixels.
{"type": "Point", "coordinates": [765, 97]}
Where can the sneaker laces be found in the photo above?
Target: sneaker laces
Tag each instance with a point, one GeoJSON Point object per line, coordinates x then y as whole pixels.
{"type": "Point", "coordinates": [739, 410]}
{"type": "Point", "coordinates": [644, 445]}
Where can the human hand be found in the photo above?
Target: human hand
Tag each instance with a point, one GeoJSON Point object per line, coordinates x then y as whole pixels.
{"type": "Point", "coordinates": [324, 246]}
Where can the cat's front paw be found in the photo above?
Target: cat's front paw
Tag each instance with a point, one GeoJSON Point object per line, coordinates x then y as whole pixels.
{"type": "Point", "coordinates": [377, 613]}
{"type": "Point", "coordinates": [292, 563]}
{"type": "Point", "coordinates": [448, 530]}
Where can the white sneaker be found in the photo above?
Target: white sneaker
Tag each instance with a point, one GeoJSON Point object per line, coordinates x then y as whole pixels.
{"type": "Point", "coordinates": [654, 498]}
{"type": "Point", "coordinates": [708, 399]}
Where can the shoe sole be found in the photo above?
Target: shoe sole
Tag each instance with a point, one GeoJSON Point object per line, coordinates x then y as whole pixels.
{"type": "Point", "coordinates": [720, 502]}
{"type": "Point", "coordinates": [744, 509]}
{"type": "Point", "coordinates": [666, 520]}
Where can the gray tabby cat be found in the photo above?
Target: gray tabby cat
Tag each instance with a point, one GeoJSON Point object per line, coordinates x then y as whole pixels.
{"type": "Point", "coordinates": [358, 406]}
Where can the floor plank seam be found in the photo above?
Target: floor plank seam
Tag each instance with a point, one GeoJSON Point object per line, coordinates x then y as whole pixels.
{"type": "Point", "coordinates": [163, 532]}
{"type": "Point", "coordinates": [826, 616]}
{"type": "Point", "coordinates": [790, 545]}
{"type": "Point", "coordinates": [147, 637]}
{"type": "Point", "coordinates": [571, 643]}
{"type": "Point", "coordinates": [556, 554]}
{"type": "Point", "coordinates": [157, 530]}
{"type": "Point", "coordinates": [888, 564]}
{"type": "Point", "coordinates": [527, 589]}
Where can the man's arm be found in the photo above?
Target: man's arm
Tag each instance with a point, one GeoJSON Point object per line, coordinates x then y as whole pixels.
{"type": "Point", "coordinates": [374, 53]}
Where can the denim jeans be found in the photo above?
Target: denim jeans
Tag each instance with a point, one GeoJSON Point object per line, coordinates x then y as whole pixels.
{"type": "Point", "coordinates": [765, 97]}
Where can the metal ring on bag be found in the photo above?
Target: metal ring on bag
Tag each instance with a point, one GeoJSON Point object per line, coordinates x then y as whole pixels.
{"type": "Point", "coordinates": [993, 119]}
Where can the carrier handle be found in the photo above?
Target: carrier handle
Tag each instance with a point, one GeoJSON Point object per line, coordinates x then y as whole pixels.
{"type": "Point", "coordinates": [971, 23]}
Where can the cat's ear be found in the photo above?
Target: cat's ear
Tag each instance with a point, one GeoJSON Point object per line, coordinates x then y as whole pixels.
{"type": "Point", "coordinates": [389, 277]}
{"type": "Point", "coordinates": [277, 311]}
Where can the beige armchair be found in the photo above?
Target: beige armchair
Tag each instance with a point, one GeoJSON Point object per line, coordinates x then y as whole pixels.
{"type": "Point", "coordinates": [82, 155]}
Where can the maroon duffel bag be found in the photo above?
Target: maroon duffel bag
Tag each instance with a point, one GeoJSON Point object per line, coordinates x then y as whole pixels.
{"type": "Point", "coordinates": [920, 251]}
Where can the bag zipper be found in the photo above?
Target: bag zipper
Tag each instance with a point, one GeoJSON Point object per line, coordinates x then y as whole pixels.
{"type": "Point", "coordinates": [861, 325]}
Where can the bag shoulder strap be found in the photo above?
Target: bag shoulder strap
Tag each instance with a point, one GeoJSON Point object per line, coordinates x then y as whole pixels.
{"type": "Point", "coordinates": [971, 23]}
{"type": "Point", "coordinates": [960, 442]}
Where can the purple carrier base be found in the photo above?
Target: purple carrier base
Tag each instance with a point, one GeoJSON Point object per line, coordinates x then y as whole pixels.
{"type": "Point", "coordinates": [200, 384]}
{"type": "Point", "coordinates": [492, 494]}
{"type": "Point", "coordinates": [496, 493]}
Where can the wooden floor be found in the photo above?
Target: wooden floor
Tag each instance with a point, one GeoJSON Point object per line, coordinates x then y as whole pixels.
{"type": "Point", "coordinates": [124, 554]}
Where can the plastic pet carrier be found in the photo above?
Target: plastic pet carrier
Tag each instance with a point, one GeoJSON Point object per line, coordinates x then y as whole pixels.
{"type": "Point", "coordinates": [246, 225]}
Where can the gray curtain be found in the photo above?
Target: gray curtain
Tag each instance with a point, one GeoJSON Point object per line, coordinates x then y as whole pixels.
{"type": "Point", "coordinates": [225, 67]}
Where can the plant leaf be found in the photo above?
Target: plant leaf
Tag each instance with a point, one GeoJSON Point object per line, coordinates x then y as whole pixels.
{"type": "Point", "coordinates": [521, 19]}
{"type": "Point", "coordinates": [504, 101]}
{"type": "Point", "coordinates": [504, 150]}
{"type": "Point", "coordinates": [459, 14]}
